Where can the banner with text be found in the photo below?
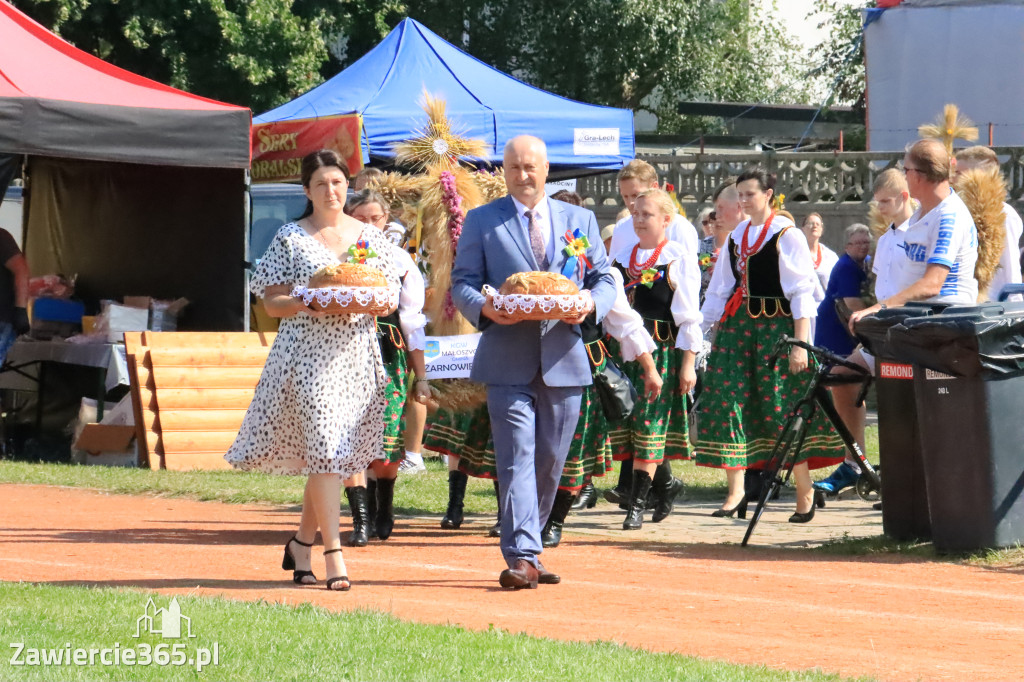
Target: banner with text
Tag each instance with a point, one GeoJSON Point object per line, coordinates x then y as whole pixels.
{"type": "Point", "coordinates": [278, 147]}
{"type": "Point", "coordinates": [450, 357]}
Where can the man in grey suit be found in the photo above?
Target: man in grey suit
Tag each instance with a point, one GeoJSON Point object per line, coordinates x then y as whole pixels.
{"type": "Point", "coordinates": [534, 371]}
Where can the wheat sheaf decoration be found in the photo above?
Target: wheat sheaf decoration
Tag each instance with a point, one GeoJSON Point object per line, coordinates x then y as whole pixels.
{"type": "Point", "coordinates": [437, 144]}
{"type": "Point", "coordinates": [949, 127]}
{"type": "Point", "coordinates": [984, 191]}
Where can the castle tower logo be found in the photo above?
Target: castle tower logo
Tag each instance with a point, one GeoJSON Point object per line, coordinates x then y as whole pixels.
{"type": "Point", "coordinates": [164, 622]}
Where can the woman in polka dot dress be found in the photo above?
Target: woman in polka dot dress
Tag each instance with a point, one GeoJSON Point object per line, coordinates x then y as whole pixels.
{"type": "Point", "coordinates": [319, 406]}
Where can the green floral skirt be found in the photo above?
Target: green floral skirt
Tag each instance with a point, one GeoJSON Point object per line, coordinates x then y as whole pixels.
{"type": "Point", "coordinates": [394, 420]}
{"type": "Point", "coordinates": [445, 431]}
{"type": "Point", "coordinates": [745, 402]}
{"type": "Point", "coordinates": [589, 451]}
{"type": "Point", "coordinates": [657, 429]}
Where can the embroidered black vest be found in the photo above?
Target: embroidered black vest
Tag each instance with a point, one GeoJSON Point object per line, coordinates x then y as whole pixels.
{"type": "Point", "coordinates": [764, 285]}
{"type": "Point", "coordinates": [654, 303]}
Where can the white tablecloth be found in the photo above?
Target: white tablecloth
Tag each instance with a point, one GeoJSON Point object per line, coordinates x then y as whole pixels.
{"type": "Point", "coordinates": [107, 355]}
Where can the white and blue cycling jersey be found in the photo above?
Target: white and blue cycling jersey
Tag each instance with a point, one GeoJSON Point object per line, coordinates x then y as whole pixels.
{"type": "Point", "coordinates": [945, 236]}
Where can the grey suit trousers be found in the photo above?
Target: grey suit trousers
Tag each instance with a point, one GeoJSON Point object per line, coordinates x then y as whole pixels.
{"type": "Point", "coordinates": [533, 426]}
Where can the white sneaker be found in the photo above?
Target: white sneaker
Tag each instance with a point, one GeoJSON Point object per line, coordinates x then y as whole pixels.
{"type": "Point", "coordinates": [410, 467]}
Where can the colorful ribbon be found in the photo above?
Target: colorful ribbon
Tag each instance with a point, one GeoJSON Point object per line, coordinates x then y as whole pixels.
{"type": "Point", "coordinates": [576, 245]}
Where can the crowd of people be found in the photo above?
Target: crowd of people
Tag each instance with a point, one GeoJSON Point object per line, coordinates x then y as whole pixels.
{"type": "Point", "coordinates": [678, 315]}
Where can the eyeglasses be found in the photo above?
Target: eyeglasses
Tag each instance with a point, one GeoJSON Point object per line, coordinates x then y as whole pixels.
{"type": "Point", "coordinates": [907, 169]}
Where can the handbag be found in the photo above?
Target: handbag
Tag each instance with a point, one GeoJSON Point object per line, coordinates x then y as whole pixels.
{"type": "Point", "coordinates": [615, 391]}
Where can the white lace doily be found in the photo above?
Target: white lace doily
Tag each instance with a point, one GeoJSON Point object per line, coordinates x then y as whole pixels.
{"type": "Point", "coordinates": [539, 304]}
{"type": "Point", "coordinates": [379, 298]}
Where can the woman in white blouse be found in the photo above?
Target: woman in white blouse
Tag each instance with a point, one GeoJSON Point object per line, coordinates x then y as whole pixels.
{"type": "Point", "coordinates": [662, 282]}
{"type": "Point", "coordinates": [764, 287]}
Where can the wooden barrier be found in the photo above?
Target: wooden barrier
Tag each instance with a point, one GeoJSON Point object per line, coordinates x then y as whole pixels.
{"type": "Point", "coordinates": [190, 391]}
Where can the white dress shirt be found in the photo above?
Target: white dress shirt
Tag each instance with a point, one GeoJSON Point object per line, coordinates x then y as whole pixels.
{"type": "Point", "coordinates": [542, 216]}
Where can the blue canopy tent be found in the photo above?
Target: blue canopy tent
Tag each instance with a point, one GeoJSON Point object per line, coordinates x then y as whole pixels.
{"type": "Point", "coordinates": [386, 84]}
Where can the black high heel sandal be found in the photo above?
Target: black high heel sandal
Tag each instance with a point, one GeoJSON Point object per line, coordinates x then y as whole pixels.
{"type": "Point", "coordinates": [740, 510]}
{"type": "Point", "coordinates": [340, 579]}
{"type": "Point", "coordinates": [288, 563]}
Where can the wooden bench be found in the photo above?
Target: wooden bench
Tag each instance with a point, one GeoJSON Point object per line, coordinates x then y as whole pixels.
{"type": "Point", "coordinates": [190, 391]}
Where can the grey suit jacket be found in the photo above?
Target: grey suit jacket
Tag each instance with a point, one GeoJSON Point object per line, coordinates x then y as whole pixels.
{"type": "Point", "coordinates": [495, 244]}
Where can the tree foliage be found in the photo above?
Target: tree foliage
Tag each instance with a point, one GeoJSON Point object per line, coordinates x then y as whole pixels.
{"type": "Point", "coordinates": [257, 53]}
{"type": "Point", "coordinates": [839, 58]}
{"type": "Point", "coordinates": [638, 54]}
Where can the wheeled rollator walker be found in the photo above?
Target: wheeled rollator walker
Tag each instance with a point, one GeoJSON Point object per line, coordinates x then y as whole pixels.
{"type": "Point", "coordinates": [779, 466]}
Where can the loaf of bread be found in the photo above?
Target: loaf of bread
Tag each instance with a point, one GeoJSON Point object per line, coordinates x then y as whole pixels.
{"type": "Point", "coordinates": [539, 283]}
{"type": "Point", "coordinates": [347, 275]}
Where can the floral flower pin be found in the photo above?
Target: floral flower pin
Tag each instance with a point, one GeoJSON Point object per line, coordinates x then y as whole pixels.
{"type": "Point", "coordinates": [361, 251]}
{"type": "Point", "coordinates": [647, 278]}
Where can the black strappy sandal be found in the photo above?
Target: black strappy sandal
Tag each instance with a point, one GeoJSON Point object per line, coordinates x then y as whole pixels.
{"type": "Point", "coordinates": [339, 579]}
{"type": "Point", "coordinates": [288, 563]}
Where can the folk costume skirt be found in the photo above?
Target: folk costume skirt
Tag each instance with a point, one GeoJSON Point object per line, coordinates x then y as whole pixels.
{"type": "Point", "coordinates": [477, 455]}
{"type": "Point", "coordinates": [445, 432]}
{"type": "Point", "coordinates": [589, 451]}
{"type": "Point", "coordinates": [657, 429]}
{"type": "Point", "coordinates": [745, 402]}
{"type": "Point", "coordinates": [395, 391]}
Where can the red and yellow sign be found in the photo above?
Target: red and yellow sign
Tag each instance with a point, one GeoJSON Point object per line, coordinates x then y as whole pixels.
{"type": "Point", "coordinates": [278, 147]}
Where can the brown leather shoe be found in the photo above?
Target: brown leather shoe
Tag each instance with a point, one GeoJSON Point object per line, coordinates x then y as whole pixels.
{"type": "Point", "coordinates": [522, 575]}
{"type": "Point", "coordinates": [546, 577]}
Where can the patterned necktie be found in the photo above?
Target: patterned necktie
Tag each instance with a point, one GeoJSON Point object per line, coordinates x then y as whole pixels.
{"type": "Point", "coordinates": [536, 241]}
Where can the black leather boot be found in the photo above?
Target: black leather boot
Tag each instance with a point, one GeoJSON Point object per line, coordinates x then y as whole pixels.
{"type": "Point", "coordinates": [371, 507]}
{"type": "Point", "coordinates": [587, 497]}
{"type": "Point", "coordinates": [456, 495]}
{"type": "Point", "coordinates": [664, 489]}
{"type": "Point", "coordinates": [495, 531]}
{"type": "Point", "coordinates": [620, 493]}
{"type": "Point", "coordinates": [357, 503]}
{"type": "Point", "coordinates": [637, 501]}
{"type": "Point", "coordinates": [385, 517]}
{"type": "Point", "coordinates": [552, 533]}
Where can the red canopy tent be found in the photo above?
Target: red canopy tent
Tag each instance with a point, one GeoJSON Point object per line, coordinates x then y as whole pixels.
{"type": "Point", "coordinates": [136, 187]}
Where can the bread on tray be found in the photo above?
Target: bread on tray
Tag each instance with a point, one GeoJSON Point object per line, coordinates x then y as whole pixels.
{"type": "Point", "coordinates": [539, 296]}
{"type": "Point", "coordinates": [539, 284]}
{"type": "Point", "coordinates": [347, 275]}
{"type": "Point", "coordinates": [349, 288]}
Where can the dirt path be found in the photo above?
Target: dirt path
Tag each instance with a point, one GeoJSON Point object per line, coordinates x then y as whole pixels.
{"type": "Point", "coordinates": [888, 617]}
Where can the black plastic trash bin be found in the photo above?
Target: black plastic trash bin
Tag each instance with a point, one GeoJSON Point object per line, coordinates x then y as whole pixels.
{"type": "Point", "coordinates": [905, 513]}
{"type": "Point", "coordinates": [970, 403]}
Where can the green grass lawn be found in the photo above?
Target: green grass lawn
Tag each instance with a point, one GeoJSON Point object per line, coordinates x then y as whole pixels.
{"type": "Point", "coordinates": [424, 493]}
{"type": "Point", "coordinates": [261, 641]}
